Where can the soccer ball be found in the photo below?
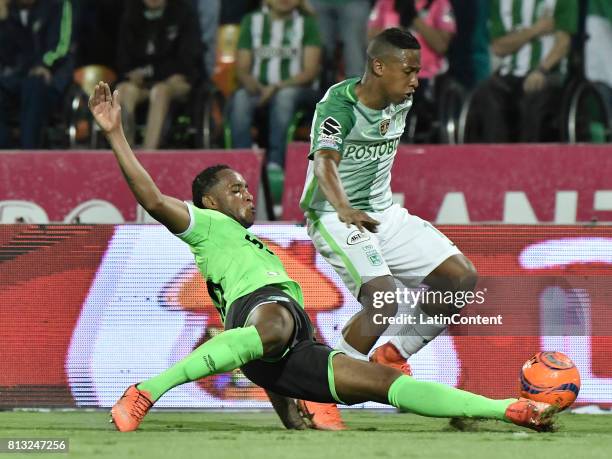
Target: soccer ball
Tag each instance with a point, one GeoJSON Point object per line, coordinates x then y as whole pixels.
{"type": "Point", "coordinates": [550, 377]}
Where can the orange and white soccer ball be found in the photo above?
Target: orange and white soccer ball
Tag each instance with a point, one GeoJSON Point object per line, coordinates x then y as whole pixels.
{"type": "Point", "coordinates": [550, 377]}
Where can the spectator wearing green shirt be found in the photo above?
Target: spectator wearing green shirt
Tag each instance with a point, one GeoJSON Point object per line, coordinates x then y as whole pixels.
{"type": "Point", "coordinates": [277, 62]}
{"type": "Point", "coordinates": [532, 40]}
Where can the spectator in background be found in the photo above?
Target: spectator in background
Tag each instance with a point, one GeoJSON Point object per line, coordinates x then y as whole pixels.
{"type": "Point", "coordinates": [158, 60]}
{"type": "Point", "coordinates": [97, 31]}
{"type": "Point", "coordinates": [521, 98]}
{"type": "Point", "coordinates": [277, 63]}
{"type": "Point", "coordinates": [433, 24]}
{"type": "Point", "coordinates": [346, 20]}
{"type": "Point", "coordinates": [234, 12]}
{"type": "Point", "coordinates": [597, 51]}
{"type": "Point", "coordinates": [208, 14]}
{"type": "Point", "coordinates": [36, 63]}
{"type": "Point", "coordinates": [468, 54]}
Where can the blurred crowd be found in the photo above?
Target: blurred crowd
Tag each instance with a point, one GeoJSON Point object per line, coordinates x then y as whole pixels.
{"type": "Point", "coordinates": [272, 60]}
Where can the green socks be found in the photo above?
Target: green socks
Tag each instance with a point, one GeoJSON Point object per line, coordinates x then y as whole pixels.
{"type": "Point", "coordinates": [441, 401]}
{"type": "Point", "coordinates": [225, 352]}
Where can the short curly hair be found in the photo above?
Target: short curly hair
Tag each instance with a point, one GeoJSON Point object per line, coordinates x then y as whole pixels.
{"type": "Point", "coordinates": [203, 182]}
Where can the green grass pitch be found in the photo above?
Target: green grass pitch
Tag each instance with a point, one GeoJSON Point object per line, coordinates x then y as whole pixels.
{"type": "Point", "coordinates": [254, 435]}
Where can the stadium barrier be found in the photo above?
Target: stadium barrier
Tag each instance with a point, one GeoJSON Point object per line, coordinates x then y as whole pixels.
{"type": "Point", "coordinates": [458, 184]}
{"type": "Point", "coordinates": [87, 310]}
{"type": "Point", "coordinates": [87, 186]}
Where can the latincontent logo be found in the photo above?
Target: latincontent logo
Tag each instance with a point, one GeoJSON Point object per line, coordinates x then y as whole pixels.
{"type": "Point", "coordinates": [412, 297]}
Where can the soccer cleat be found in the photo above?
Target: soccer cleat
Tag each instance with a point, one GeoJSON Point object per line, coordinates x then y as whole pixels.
{"type": "Point", "coordinates": [388, 355]}
{"type": "Point", "coordinates": [321, 416]}
{"type": "Point", "coordinates": [130, 409]}
{"type": "Point", "coordinates": [538, 416]}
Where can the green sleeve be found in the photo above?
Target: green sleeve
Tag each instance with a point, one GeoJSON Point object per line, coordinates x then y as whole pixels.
{"type": "Point", "coordinates": [496, 26]}
{"type": "Point", "coordinates": [244, 39]}
{"type": "Point", "coordinates": [311, 31]}
{"type": "Point", "coordinates": [333, 121]}
{"type": "Point", "coordinates": [566, 16]}
{"type": "Point", "coordinates": [200, 222]}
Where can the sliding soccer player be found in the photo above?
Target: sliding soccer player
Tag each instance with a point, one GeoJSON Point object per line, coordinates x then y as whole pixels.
{"type": "Point", "coordinates": [267, 332]}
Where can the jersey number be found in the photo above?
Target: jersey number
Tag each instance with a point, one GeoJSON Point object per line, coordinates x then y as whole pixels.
{"type": "Point", "coordinates": [215, 291]}
{"type": "Point", "coordinates": [258, 243]}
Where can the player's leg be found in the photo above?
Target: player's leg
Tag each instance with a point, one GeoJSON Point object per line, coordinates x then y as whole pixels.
{"type": "Point", "coordinates": [160, 97]}
{"type": "Point", "coordinates": [266, 331]}
{"type": "Point", "coordinates": [416, 253]}
{"type": "Point", "coordinates": [355, 381]}
{"type": "Point", "coordinates": [358, 260]}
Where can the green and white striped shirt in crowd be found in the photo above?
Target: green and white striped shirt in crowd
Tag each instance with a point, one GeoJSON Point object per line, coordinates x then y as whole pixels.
{"type": "Point", "coordinates": [277, 45]}
{"type": "Point", "coordinates": [367, 141]}
{"type": "Point", "coordinates": [508, 16]}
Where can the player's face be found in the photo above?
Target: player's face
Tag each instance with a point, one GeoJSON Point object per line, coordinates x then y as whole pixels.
{"type": "Point", "coordinates": [154, 4]}
{"type": "Point", "coordinates": [401, 75]}
{"type": "Point", "coordinates": [283, 6]}
{"type": "Point", "coordinates": [233, 197]}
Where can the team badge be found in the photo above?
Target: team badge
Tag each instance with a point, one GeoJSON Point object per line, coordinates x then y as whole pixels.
{"type": "Point", "coordinates": [384, 126]}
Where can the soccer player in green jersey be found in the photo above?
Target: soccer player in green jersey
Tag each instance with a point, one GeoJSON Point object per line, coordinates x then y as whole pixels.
{"type": "Point", "coordinates": [372, 243]}
{"type": "Point", "coordinates": [267, 332]}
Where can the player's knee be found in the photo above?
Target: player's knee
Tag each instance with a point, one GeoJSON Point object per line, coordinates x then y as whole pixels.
{"type": "Point", "coordinates": [129, 94]}
{"type": "Point", "coordinates": [466, 279]}
{"type": "Point", "coordinates": [159, 91]}
{"type": "Point", "coordinates": [379, 293]}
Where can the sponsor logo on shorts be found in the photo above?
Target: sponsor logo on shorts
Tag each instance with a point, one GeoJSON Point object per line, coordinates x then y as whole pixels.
{"type": "Point", "coordinates": [357, 237]}
{"type": "Point", "coordinates": [384, 126]}
{"type": "Point", "coordinates": [374, 258]}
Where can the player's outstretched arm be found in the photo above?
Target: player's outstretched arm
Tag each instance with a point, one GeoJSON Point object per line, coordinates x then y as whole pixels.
{"type": "Point", "coordinates": [326, 170]}
{"type": "Point", "coordinates": [167, 210]}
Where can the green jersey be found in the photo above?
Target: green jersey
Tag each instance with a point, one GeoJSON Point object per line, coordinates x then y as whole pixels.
{"type": "Point", "coordinates": [507, 16]}
{"type": "Point", "coordinates": [277, 45]}
{"type": "Point", "coordinates": [367, 141]}
{"type": "Point", "coordinates": [233, 261]}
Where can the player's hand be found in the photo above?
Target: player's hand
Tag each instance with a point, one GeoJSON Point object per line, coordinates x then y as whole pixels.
{"type": "Point", "coordinates": [545, 25]}
{"type": "Point", "coordinates": [358, 218]}
{"type": "Point", "coordinates": [42, 72]}
{"type": "Point", "coordinates": [534, 82]}
{"type": "Point", "coordinates": [105, 108]}
{"type": "Point", "coordinates": [266, 94]}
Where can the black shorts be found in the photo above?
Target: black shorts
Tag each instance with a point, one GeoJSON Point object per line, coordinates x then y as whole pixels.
{"type": "Point", "coordinates": [305, 370]}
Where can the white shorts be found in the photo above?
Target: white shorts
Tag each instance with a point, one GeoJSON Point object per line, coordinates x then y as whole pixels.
{"type": "Point", "coordinates": [405, 247]}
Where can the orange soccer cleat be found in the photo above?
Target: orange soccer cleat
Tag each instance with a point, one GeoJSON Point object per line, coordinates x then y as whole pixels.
{"type": "Point", "coordinates": [388, 355]}
{"type": "Point", "coordinates": [538, 416]}
{"type": "Point", "coordinates": [321, 416]}
{"type": "Point", "coordinates": [130, 409]}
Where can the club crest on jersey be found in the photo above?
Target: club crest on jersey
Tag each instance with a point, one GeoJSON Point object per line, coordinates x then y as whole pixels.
{"type": "Point", "coordinates": [384, 126]}
{"type": "Point", "coordinates": [357, 237]}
